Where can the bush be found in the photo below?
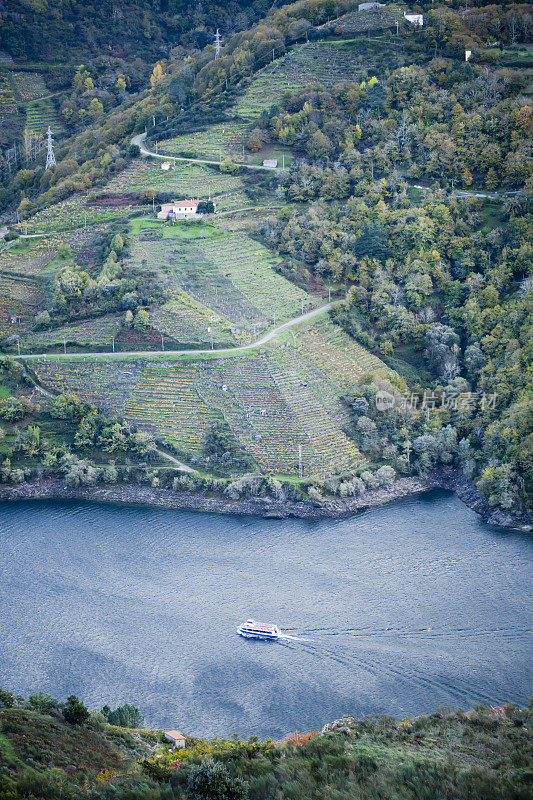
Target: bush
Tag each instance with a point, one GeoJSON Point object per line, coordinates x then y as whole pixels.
{"type": "Point", "coordinates": [75, 712]}
{"type": "Point", "coordinates": [211, 781]}
{"type": "Point", "coordinates": [7, 700]}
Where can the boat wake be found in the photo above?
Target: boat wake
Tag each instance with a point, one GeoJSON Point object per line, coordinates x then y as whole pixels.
{"type": "Point", "coordinates": [293, 638]}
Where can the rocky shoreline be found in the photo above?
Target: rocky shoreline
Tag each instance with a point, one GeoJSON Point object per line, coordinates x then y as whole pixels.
{"type": "Point", "coordinates": [331, 508]}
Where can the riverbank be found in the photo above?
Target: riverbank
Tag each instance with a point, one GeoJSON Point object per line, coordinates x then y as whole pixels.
{"type": "Point", "coordinates": [330, 508]}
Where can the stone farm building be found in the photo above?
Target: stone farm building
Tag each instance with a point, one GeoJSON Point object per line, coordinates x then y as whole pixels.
{"type": "Point", "coordinates": [176, 738]}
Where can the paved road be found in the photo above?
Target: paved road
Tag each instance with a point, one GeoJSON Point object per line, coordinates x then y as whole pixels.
{"type": "Point", "coordinates": [151, 353]}
{"type": "Point", "coordinates": [138, 140]}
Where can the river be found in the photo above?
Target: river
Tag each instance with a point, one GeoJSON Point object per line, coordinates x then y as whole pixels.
{"type": "Point", "coordinates": [397, 611]}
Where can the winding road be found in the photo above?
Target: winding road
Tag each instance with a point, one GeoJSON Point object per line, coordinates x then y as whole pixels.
{"type": "Point", "coordinates": [138, 140]}
{"type": "Point", "coordinates": [267, 337]}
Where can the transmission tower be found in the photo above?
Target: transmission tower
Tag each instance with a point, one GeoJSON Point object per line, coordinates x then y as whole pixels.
{"type": "Point", "coordinates": [50, 157]}
{"type": "Point", "coordinates": [217, 44]}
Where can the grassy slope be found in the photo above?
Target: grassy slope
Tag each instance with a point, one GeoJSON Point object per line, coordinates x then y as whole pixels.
{"type": "Point", "coordinates": [484, 755]}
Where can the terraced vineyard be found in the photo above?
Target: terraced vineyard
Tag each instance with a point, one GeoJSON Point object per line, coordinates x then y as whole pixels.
{"type": "Point", "coordinates": [328, 63]}
{"type": "Point", "coordinates": [316, 404]}
{"type": "Point", "coordinates": [7, 98]}
{"type": "Point", "coordinates": [94, 332]}
{"type": "Point", "coordinates": [27, 258]}
{"type": "Point", "coordinates": [190, 323]}
{"type": "Point", "coordinates": [75, 213]}
{"type": "Point", "coordinates": [213, 143]}
{"type": "Point", "coordinates": [184, 180]}
{"type": "Point", "coordinates": [250, 267]}
{"type": "Point", "coordinates": [166, 402]}
{"type": "Point", "coordinates": [29, 85]}
{"type": "Point", "coordinates": [20, 299]}
{"type": "Point", "coordinates": [337, 355]}
{"type": "Point", "coordinates": [39, 115]}
{"type": "Point", "coordinates": [109, 385]}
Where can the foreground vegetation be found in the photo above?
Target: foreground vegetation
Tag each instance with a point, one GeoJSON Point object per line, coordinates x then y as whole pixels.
{"type": "Point", "coordinates": [57, 750]}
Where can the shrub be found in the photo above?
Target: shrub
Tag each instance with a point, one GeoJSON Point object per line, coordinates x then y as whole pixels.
{"type": "Point", "coordinates": [75, 712]}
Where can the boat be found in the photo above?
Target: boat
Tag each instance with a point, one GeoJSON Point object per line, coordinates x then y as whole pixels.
{"type": "Point", "coordinates": [258, 630]}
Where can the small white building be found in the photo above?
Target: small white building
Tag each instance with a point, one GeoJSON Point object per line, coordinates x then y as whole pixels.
{"type": "Point", "coordinates": [165, 166]}
{"type": "Point", "coordinates": [415, 19]}
{"type": "Point", "coordinates": [468, 53]}
{"type": "Point", "coordinates": [179, 209]}
{"type": "Point", "coordinates": [176, 738]}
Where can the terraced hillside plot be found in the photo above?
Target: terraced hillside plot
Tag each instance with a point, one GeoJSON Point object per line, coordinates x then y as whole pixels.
{"type": "Point", "coordinates": [75, 213]}
{"type": "Point", "coordinates": [337, 355]}
{"type": "Point", "coordinates": [29, 85]}
{"type": "Point", "coordinates": [190, 323]}
{"type": "Point", "coordinates": [182, 180]}
{"type": "Point", "coordinates": [39, 115]}
{"type": "Point", "coordinates": [7, 98]}
{"type": "Point", "coordinates": [328, 63]}
{"type": "Point", "coordinates": [195, 275]}
{"type": "Point", "coordinates": [94, 332]}
{"type": "Point", "coordinates": [109, 385]}
{"type": "Point", "coordinates": [250, 267]}
{"type": "Point", "coordinates": [20, 299]}
{"type": "Point", "coordinates": [213, 143]}
{"type": "Point", "coordinates": [321, 415]}
{"type": "Point", "coordinates": [245, 393]}
{"type": "Point", "coordinates": [28, 257]}
{"type": "Point", "coordinates": [166, 403]}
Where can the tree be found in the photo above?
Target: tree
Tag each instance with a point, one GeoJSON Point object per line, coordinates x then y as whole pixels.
{"type": "Point", "coordinates": [157, 74]}
{"type": "Point", "coordinates": [377, 98]}
{"type": "Point", "coordinates": [75, 713]}
{"type": "Point", "coordinates": [373, 242]}
{"type": "Point", "coordinates": [141, 321]}
{"type": "Point", "coordinates": [95, 109]}
{"type": "Point", "coordinates": [211, 780]}
{"type": "Point", "coordinates": [126, 716]}
{"type": "Point", "coordinates": [228, 165]}
{"type": "Point", "coordinates": [205, 207]}
{"type": "Point", "coordinates": [318, 145]}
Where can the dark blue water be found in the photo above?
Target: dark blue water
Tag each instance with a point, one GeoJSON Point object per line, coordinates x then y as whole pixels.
{"type": "Point", "coordinates": [402, 609]}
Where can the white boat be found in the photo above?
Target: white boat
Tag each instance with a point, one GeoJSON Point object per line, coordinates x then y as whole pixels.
{"type": "Point", "coordinates": [258, 630]}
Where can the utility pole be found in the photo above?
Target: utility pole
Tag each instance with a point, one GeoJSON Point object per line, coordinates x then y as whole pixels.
{"type": "Point", "coordinates": [113, 343]}
{"type": "Point", "coordinates": [153, 120]}
{"type": "Point", "coordinates": [329, 294]}
{"type": "Point", "coordinates": [65, 346]}
{"type": "Point", "coordinates": [18, 345]}
{"type": "Point", "coordinates": [211, 334]}
{"type": "Point", "coordinates": [50, 157]}
{"type": "Point", "coordinates": [300, 468]}
{"type": "Point", "coordinates": [273, 54]}
{"type": "Point", "coordinates": [162, 343]}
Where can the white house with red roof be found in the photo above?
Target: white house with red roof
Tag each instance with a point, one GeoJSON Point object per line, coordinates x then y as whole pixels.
{"type": "Point", "coordinates": [178, 209]}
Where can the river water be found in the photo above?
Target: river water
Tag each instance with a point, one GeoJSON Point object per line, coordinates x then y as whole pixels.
{"type": "Point", "coordinates": [397, 611]}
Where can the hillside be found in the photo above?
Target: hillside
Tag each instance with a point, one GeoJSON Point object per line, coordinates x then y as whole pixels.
{"type": "Point", "coordinates": [485, 754]}
{"type": "Point", "coordinates": [399, 188]}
